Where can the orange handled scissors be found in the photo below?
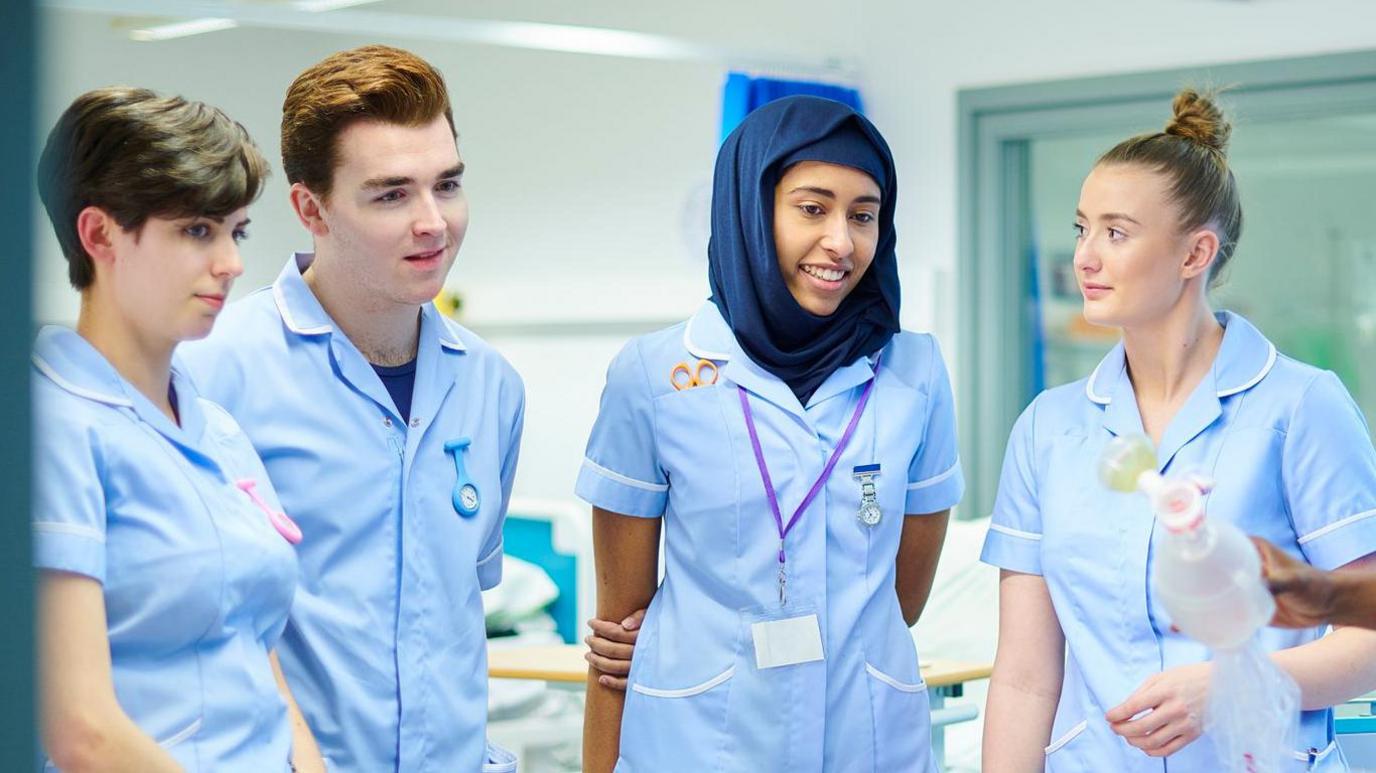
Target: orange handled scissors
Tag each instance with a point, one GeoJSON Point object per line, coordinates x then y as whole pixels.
{"type": "Point", "coordinates": [685, 377]}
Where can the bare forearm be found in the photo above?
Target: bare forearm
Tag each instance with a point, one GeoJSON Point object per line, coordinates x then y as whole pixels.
{"type": "Point", "coordinates": [601, 726]}
{"type": "Point", "coordinates": [1334, 669]}
{"type": "Point", "coordinates": [913, 600]}
{"type": "Point", "coordinates": [1355, 602]}
{"type": "Point", "coordinates": [626, 553]}
{"type": "Point", "coordinates": [1029, 668]}
{"type": "Point", "coordinates": [102, 741]}
{"type": "Point", "coordinates": [1017, 724]}
{"type": "Point", "coordinates": [919, 551]}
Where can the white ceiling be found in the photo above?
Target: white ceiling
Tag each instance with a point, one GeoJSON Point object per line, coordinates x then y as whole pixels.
{"type": "Point", "coordinates": [804, 34]}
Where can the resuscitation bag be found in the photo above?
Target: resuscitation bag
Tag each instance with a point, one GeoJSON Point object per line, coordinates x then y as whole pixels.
{"type": "Point", "coordinates": [1208, 577]}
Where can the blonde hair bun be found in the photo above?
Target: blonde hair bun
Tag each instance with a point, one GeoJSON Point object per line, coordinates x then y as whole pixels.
{"type": "Point", "coordinates": [1197, 118]}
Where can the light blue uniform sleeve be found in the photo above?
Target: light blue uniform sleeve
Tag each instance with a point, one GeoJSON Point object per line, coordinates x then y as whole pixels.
{"type": "Point", "coordinates": [69, 498]}
{"type": "Point", "coordinates": [1330, 475]}
{"type": "Point", "coordinates": [620, 470]}
{"type": "Point", "coordinates": [490, 562]}
{"type": "Point", "coordinates": [1015, 532]}
{"type": "Point", "coordinates": [935, 482]}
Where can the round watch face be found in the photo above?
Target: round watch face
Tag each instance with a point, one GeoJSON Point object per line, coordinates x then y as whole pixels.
{"type": "Point", "coordinates": [869, 514]}
{"type": "Point", "coordinates": [468, 495]}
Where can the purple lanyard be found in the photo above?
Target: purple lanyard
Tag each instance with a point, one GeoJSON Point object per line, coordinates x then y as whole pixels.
{"type": "Point", "coordinates": [821, 481]}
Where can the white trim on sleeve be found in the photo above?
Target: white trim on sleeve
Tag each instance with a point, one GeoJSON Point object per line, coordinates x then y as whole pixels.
{"type": "Point", "coordinates": [1332, 527]}
{"type": "Point", "coordinates": [74, 529]}
{"type": "Point", "coordinates": [619, 478]}
{"type": "Point", "coordinates": [935, 479]}
{"type": "Point", "coordinates": [1015, 532]}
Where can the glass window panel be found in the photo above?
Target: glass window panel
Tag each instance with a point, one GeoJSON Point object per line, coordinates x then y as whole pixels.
{"type": "Point", "coordinates": [1304, 271]}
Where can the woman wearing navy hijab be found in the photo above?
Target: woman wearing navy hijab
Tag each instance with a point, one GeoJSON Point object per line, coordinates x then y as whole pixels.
{"type": "Point", "coordinates": [799, 452]}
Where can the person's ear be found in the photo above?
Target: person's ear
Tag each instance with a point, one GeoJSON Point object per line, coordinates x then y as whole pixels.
{"type": "Point", "coordinates": [96, 229]}
{"type": "Point", "coordinates": [309, 208]}
{"type": "Point", "coordinates": [1201, 252]}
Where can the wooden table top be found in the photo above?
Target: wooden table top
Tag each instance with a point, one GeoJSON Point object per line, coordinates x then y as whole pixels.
{"type": "Point", "coordinates": [564, 663]}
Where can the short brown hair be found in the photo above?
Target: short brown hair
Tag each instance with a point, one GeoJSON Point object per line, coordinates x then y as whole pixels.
{"type": "Point", "coordinates": [1192, 152]}
{"type": "Point", "coordinates": [136, 155]}
{"type": "Point", "coordinates": [378, 83]}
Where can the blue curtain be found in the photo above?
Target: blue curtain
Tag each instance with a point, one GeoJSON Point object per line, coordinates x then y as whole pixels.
{"type": "Point", "coordinates": [743, 93]}
{"type": "Point", "coordinates": [1033, 312]}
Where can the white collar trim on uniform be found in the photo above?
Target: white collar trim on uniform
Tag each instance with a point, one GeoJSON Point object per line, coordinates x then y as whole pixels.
{"type": "Point", "coordinates": [709, 326]}
{"type": "Point", "coordinates": [1254, 380]}
{"type": "Point", "coordinates": [1240, 341]}
{"type": "Point", "coordinates": [448, 333]}
{"type": "Point", "coordinates": [290, 279]}
{"type": "Point", "coordinates": [1089, 385]}
{"type": "Point", "coordinates": [89, 394]}
{"type": "Point", "coordinates": [291, 286]}
{"type": "Point", "coordinates": [285, 310]}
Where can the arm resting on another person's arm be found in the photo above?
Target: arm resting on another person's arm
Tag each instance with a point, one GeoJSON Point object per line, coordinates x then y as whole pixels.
{"type": "Point", "coordinates": [626, 550]}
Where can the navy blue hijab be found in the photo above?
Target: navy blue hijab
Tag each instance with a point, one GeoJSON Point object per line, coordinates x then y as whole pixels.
{"type": "Point", "coordinates": [797, 346]}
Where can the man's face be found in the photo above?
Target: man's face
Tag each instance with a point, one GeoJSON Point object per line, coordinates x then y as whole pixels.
{"type": "Point", "coordinates": [396, 213]}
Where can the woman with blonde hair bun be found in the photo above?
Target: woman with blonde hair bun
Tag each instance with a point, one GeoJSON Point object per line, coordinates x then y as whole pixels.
{"type": "Point", "coordinates": [1090, 674]}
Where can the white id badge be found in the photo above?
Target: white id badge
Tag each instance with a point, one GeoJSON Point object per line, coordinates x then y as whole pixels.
{"type": "Point", "coordinates": [787, 641]}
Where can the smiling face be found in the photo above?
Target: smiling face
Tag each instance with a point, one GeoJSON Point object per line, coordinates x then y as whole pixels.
{"type": "Point", "coordinates": [1132, 261]}
{"type": "Point", "coordinates": [396, 212]}
{"type": "Point", "coordinates": [169, 278]}
{"type": "Point", "coordinates": [826, 229]}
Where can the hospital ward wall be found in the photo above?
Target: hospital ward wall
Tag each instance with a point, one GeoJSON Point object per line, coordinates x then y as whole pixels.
{"type": "Point", "coordinates": [588, 181]}
{"type": "Point", "coordinates": [917, 57]}
{"type": "Point", "coordinates": [588, 175]}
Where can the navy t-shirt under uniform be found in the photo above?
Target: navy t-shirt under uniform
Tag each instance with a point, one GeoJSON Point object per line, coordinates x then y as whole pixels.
{"type": "Point", "coordinates": [400, 381]}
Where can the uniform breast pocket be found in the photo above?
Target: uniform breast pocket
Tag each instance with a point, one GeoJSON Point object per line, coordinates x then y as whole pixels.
{"type": "Point", "coordinates": [1248, 488]}
{"type": "Point", "coordinates": [702, 446]}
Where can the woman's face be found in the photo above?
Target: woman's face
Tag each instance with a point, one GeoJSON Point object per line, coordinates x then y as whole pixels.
{"type": "Point", "coordinates": [171, 277]}
{"type": "Point", "coordinates": [826, 228]}
{"type": "Point", "coordinates": [1130, 255]}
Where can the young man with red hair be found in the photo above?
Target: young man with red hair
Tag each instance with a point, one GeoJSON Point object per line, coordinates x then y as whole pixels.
{"type": "Point", "coordinates": [391, 432]}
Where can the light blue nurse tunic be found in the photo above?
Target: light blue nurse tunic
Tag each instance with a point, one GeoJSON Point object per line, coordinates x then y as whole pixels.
{"type": "Point", "coordinates": [197, 582]}
{"type": "Point", "coordinates": [386, 652]}
{"type": "Point", "coordinates": [696, 699]}
{"type": "Point", "coordinates": [1293, 463]}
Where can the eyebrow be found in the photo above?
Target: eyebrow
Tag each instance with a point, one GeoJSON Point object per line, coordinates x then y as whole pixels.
{"type": "Point", "coordinates": [1109, 216]}
{"type": "Point", "coordinates": [399, 182]}
{"type": "Point", "coordinates": [832, 194]}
